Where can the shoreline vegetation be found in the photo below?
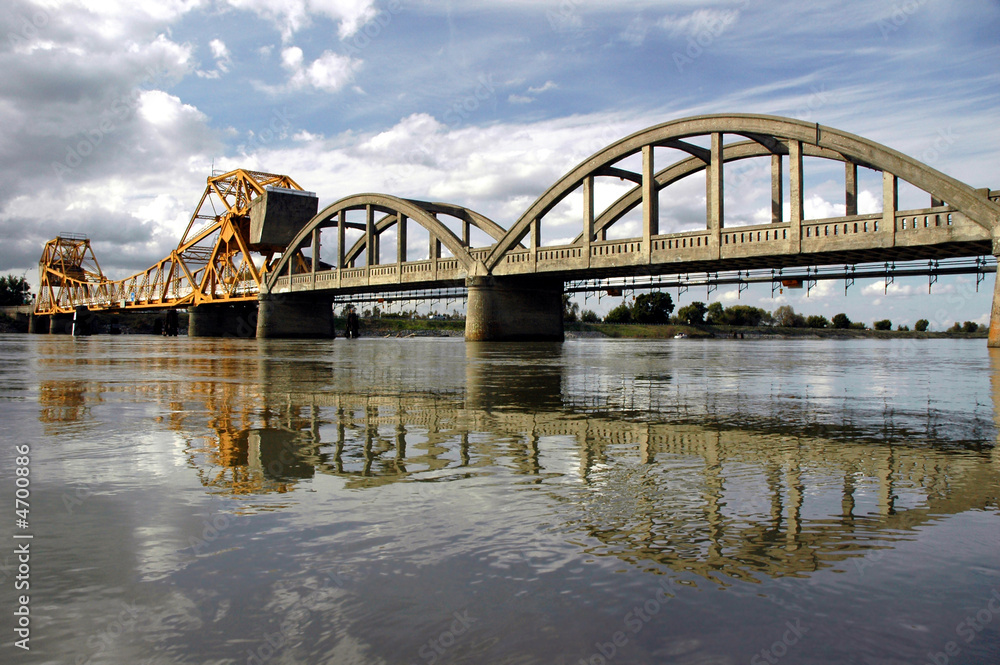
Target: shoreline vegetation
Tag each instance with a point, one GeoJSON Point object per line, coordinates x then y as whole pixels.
{"type": "Point", "coordinates": [138, 323]}
{"type": "Point", "coordinates": [425, 328]}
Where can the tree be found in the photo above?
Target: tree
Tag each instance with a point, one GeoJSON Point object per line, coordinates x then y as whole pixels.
{"type": "Point", "coordinates": [884, 324]}
{"type": "Point", "coordinates": [817, 321]}
{"type": "Point", "coordinates": [841, 322]}
{"type": "Point", "coordinates": [570, 309]}
{"type": "Point", "coordinates": [786, 317]}
{"type": "Point", "coordinates": [620, 314]}
{"type": "Point", "coordinates": [903, 328]}
{"type": "Point", "coordinates": [744, 315]}
{"type": "Point", "coordinates": [715, 314]}
{"type": "Point", "coordinates": [693, 314]}
{"type": "Point", "coordinates": [921, 325]}
{"type": "Point", "coordinates": [955, 328]}
{"type": "Point", "coordinates": [970, 327]}
{"type": "Point", "coordinates": [652, 308]}
{"type": "Point", "coordinates": [589, 316]}
{"type": "Point", "coordinates": [14, 291]}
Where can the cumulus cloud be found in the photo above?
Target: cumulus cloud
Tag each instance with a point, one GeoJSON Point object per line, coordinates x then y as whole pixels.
{"type": "Point", "coordinates": [730, 296]}
{"type": "Point", "coordinates": [292, 16]}
{"type": "Point", "coordinates": [223, 60]}
{"type": "Point", "coordinates": [87, 136]}
{"type": "Point", "coordinates": [329, 72]}
{"type": "Point", "coordinates": [896, 289]}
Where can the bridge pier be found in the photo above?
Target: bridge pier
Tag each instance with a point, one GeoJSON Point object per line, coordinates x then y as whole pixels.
{"type": "Point", "coordinates": [294, 317]}
{"type": "Point", "coordinates": [60, 324]}
{"type": "Point", "coordinates": [993, 340]}
{"type": "Point", "coordinates": [512, 309]}
{"type": "Point", "coordinates": [38, 324]}
{"type": "Point", "coordinates": [82, 319]}
{"type": "Point", "coordinates": [239, 320]}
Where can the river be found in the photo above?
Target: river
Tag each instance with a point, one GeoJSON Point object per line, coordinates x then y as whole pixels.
{"type": "Point", "coordinates": [425, 500]}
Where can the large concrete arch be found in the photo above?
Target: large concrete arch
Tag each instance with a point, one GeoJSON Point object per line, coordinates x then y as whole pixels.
{"type": "Point", "coordinates": [679, 170]}
{"type": "Point", "coordinates": [391, 207]}
{"type": "Point", "coordinates": [772, 134]}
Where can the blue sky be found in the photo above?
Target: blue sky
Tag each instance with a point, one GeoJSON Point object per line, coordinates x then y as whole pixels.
{"type": "Point", "coordinates": [484, 104]}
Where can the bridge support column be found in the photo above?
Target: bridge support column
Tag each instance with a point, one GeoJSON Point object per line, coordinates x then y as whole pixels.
{"type": "Point", "coordinates": [82, 322]}
{"type": "Point", "coordinates": [514, 310]}
{"type": "Point", "coordinates": [295, 316]}
{"type": "Point", "coordinates": [60, 324]}
{"type": "Point", "coordinates": [223, 320]}
{"type": "Point", "coordinates": [993, 341]}
{"type": "Point", "coordinates": [38, 324]}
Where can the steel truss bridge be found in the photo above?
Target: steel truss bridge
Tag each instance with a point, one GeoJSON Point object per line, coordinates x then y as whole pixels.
{"type": "Point", "coordinates": [338, 253]}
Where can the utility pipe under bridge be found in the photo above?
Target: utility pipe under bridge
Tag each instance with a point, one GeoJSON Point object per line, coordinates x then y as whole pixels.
{"type": "Point", "coordinates": [515, 283]}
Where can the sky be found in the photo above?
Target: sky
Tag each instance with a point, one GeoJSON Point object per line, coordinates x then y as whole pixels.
{"type": "Point", "coordinates": [114, 112]}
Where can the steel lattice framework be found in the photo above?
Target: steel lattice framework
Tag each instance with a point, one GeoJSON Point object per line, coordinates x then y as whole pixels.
{"type": "Point", "coordinates": [214, 261]}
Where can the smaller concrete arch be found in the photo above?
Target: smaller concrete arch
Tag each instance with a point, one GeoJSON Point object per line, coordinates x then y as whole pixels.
{"type": "Point", "coordinates": [471, 217]}
{"type": "Point", "coordinates": [392, 208]}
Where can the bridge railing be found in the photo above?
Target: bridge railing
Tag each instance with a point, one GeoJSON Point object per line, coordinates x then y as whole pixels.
{"type": "Point", "coordinates": [852, 233]}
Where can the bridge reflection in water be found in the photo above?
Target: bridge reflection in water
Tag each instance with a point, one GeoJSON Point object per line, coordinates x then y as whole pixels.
{"type": "Point", "coordinates": [697, 481]}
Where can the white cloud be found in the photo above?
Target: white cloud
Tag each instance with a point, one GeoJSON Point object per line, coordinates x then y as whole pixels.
{"type": "Point", "coordinates": [635, 33]}
{"type": "Point", "coordinates": [295, 15]}
{"type": "Point", "coordinates": [520, 99]}
{"type": "Point", "coordinates": [730, 296]}
{"type": "Point", "coordinates": [219, 50]}
{"type": "Point", "coordinates": [869, 203]}
{"type": "Point", "coordinates": [711, 22]}
{"type": "Point", "coordinates": [824, 289]}
{"type": "Point", "coordinates": [223, 60]}
{"type": "Point", "coordinates": [549, 85]}
{"type": "Point", "coordinates": [815, 207]}
{"type": "Point", "coordinates": [895, 289]}
{"type": "Point", "coordinates": [330, 72]}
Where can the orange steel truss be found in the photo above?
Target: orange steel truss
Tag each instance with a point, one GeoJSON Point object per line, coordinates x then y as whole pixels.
{"type": "Point", "coordinates": [212, 264]}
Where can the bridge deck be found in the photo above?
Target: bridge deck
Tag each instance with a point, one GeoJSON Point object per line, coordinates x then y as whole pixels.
{"type": "Point", "coordinates": [928, 233]}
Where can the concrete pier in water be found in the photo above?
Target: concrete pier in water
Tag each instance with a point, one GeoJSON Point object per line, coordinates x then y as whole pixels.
{"type": "Point", "coordinates": [514, 310]}
{"type": "Point", "coordinates": [295, 316]}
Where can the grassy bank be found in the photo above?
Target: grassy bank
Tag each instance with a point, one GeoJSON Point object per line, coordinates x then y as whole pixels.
{"type": "Point", "coordinates": [403, 327]}
{"type": "Point", "coordinates": [639, 331]}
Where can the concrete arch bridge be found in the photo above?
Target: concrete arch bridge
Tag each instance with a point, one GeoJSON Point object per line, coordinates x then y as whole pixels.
{"type": "Point", "coordinates": [515, 281]}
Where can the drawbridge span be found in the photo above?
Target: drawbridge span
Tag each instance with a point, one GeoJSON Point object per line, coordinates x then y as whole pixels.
{"type": "Point", "coordinates": [515, 281]}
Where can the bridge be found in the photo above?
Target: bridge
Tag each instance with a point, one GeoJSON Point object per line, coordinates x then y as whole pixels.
{"type": "Point", "coordinates": [514, 281]}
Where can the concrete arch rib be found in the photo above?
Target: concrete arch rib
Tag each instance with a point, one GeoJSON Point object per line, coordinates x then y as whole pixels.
{"type": "Point", "coordinates": [482, 222]}
{"type": "Point", "coordinates": [768, 132]}
{"type": "Point", "coordinates": [679, 170]}
{"type": "Point", "coordinates": [392, 207]}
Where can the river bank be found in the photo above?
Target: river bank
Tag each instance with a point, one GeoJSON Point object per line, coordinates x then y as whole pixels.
{"type": "Point", "coordinates": [144, 323]}
{"type": "Point", "coordinates": [456, 328]}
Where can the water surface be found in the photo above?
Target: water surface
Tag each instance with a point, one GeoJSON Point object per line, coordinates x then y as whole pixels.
{"type": "Point", "coordinates": [432, 501]}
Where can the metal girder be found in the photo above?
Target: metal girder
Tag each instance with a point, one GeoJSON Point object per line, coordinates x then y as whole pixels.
{"type": "Point", "coordinates": [215, 263]}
